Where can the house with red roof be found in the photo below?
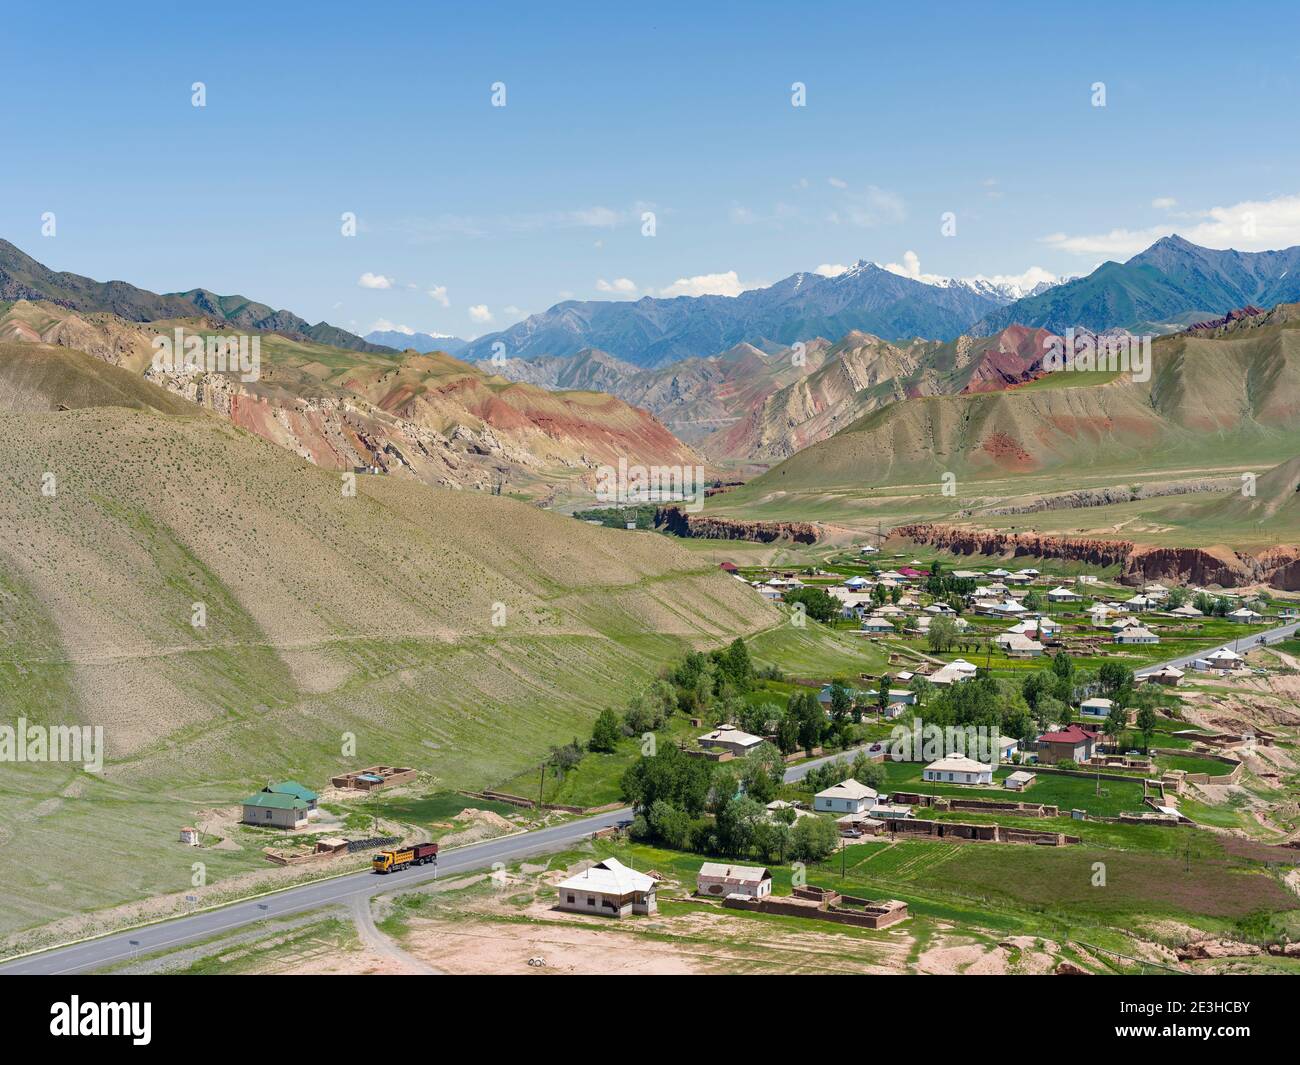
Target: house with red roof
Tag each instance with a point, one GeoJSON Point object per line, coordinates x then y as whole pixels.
{"type": "Point", "coordinates": [1073, 743]}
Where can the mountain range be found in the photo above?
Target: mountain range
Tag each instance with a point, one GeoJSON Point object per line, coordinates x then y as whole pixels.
{"type": "Point", "coordinates": [23, 278]}
{"type": "Point", "coordinates": [1172, 284]}
{"type": "Point", "coordinates": [402, 339]}
{"type": "Point", "coordinates": [1167, 287]}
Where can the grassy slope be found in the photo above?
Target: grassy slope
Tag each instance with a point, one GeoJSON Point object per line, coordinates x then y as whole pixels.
{"type": "Point", "coordinates": [1214, 406]}
{"type": "Point", "coordinates": [326, 615]}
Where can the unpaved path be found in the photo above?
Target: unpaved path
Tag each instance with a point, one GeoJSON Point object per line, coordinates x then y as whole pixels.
{"type": "Point", "coordinates": [371, 937]}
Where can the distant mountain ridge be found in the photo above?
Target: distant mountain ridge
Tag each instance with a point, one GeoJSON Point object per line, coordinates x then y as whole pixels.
{"type": "Point", "coordinates": [22, 277]}
{"type": "Point", "coordinates": [1171, 285]}
{"type": "Point", "coordinates": [1167, 287]}
{"type": "Point", "coordinates": [400, 340]}
{"type": "Point", "coordinates": [652, 332]}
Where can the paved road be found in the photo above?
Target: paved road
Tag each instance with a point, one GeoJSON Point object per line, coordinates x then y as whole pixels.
{"type": "Point", "coordinates": [122, 946]}
{"type": "Point", "coordinates": [98, 953]}
{"type": "Point", "coordinates": [1241, 645]}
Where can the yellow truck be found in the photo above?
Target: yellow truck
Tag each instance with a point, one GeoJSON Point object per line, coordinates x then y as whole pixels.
{"type": "Point", "coordinates": [391, 861]}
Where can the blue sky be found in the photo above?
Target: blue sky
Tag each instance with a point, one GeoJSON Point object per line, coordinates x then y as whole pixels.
{"type": "Point", "coordinates": [473, 216]}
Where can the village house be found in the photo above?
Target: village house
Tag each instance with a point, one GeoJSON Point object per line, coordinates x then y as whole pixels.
{"type": "Point", "coordinates": [953, 673]}
{"type": "Point", "coordinates": [730, 738]}
{"type": "Point", "coordinates": [1186, 611]}
{"type": "Point", "coordinates": [298, 791]}
{"type": "Point", "coordinates": [1167, 675]}
{"type": "Point", "coordinates": [1070, 744]}
{"type": "Point", "coordinates": [1136, 634]}
{"type": "Point", "coordinates": [846, 797]}
{"type": "Point", "coordinates": [719, 879]}
{"type": "Point", "coordinates": [276, 811]}
{"type": "Point", "coordinates": [958, 769]}
{"type": "Point", "coordinates": [1019, 780]}
{"type": "Point", "coordinates": [876, 626]}
{"type": "Point", "coordinates": [610, 889]}
{"type": "Point", "coordinates": [1064, 595]}
{"type": "Point", "coordinates": [1096, 707]}
{"type": "Point", "coordinates": [1245, 616]}
{"type": "Point", "coordinates": [1223, 658]}
{"type": "Point", "coordinates": [1015, 645]}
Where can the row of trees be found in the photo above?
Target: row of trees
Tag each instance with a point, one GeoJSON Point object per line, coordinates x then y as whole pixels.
{"type": "Point", "coordinates": [720, 808]}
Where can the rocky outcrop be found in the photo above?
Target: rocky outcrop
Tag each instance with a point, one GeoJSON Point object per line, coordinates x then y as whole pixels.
{"type": "Point", "coordinates": [1279, 566]}
{"type": "Point", "coordinates": [961, 541]}
{"type": "Point", "coordinates": [678, 522]}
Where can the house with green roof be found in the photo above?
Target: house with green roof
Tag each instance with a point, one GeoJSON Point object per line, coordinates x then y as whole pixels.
{"type": "Point", "coordinates": [275, 810]}
{"type": "Point", "coordinates": [298, 791]}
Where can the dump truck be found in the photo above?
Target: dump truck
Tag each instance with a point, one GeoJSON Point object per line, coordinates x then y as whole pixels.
{"type": "Point", "coordinates": [418, 854]}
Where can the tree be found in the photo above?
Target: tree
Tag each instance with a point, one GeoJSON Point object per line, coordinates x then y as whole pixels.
{"type": "Point", "coordinates": [1116, 723]}
{"type": "Point", "coordinates": [1114, 678]}
{"type": "Point", "coordinates": [942, 635]}
{"type": "Point", "coordinates": [787, 732]}
{"type": "Point", "coordinates": [813, 838]}
{"type": "Point", "coordinates": [818, 603]}
{"type": "Point", "coordinates": [669, 825]}
{"type": "Point", "coordinates": [841, 701]}
{"type": "Point", "coordinates": [762, 772]}
{"type": "Point", "coordinates": [882, 695]}
{"type": "Point", "coordinates": [1146, 724]}
{"type": "Point", "coordinates": [606, 733]}
{"type": "Point", "coordinates": [922, 688]}
{"type": "Point", "coordinates": [734, 663]}
{"type": "Point", "coordinates": [1033, 601]}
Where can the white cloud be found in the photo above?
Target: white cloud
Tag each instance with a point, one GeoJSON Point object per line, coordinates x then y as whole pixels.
{"type": "Point", "coordinates": [911, 267]}
{"type": "Point", "coordinates": [439, 294]}
{"type": "Point", "coordinates": [622, 285]}
{"type": "Point", "coordinates": [1163, 203]}
{"type": "Point", "coordinates": [480, 313]}
{"type": "Point", "coordinates": [383, 325]}
{"type": "Point", "coordinates": [727, 284]}
{"type": "Point", "coordinates": [838, 183]}
{"type": "Point", "coordinates": [369, 280]}
{"type": "Point", "coordinates": [830, 269]}
{"type": "Point", "coordinates": [1252, 225]}
{"type": "Point", "coordinates": [871, 207]}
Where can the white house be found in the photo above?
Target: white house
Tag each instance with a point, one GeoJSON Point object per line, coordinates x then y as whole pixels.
{"type": "Point", "coordinates": [1064, 595]}
{"type": "Point", "coordinates": [1141, 603]}
{"type": "Point", "coordinates": [719, 879]}
{"type": "Point", "coordinates": [1136, 634]}
{"type": "Point", "coordinates": [1223, 658]}
{"type": "Point", "coordinates": [730, 738]}
{"type": "Point", "coordinates": [953, 673]}
{"type": "Point", "coordinates": [958, 769]}
{"type": "Point", "coordinates": [855, 584]}
{"type": "Point", "coordinates": [1016, 645]}
{"type": "Point", "coordinates": [1245, 616]}
{"type": "Point", "coordinates": [876, 625]}
{"type": "Point", "coordinates": [610, 889]}
{"type": "Point", "coordinates": [1187, 611]}
{"type": "Point", "coordinates": [1096, 707]}
{"type": "Point", "coordinates": [846, 797]}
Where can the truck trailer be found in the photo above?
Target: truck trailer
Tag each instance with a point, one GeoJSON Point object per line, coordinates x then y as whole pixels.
{"type": "Point", "coordinates": [391, 861]}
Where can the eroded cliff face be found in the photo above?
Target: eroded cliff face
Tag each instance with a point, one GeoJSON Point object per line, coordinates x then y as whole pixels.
{"type": "Point", "coordinates": [987, 542]}
{"type": "Point", "coordinates": [1278, 566]}
{"type": "Point", "coordinates": [677, 521]}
